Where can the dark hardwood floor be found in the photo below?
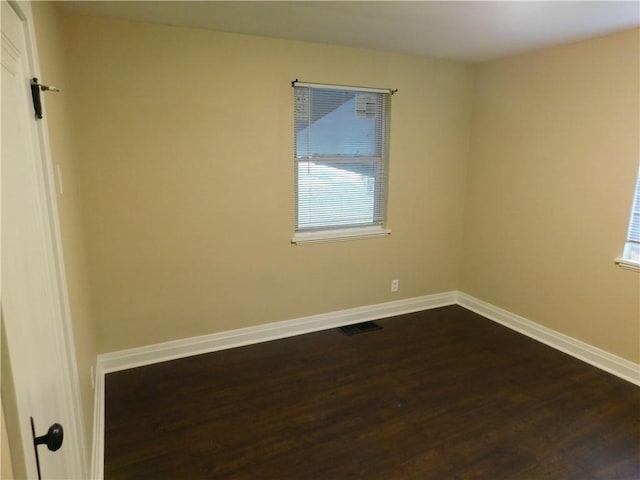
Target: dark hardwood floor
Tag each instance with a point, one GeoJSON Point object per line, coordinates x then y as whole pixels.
{"type": "Point", "coordinates": [441, 394]}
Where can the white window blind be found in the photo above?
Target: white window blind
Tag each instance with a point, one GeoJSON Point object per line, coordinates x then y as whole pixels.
{"type": "Point", "coordinates": [634, 223]}
{"type": "Point", "coordinates": [341, 138]}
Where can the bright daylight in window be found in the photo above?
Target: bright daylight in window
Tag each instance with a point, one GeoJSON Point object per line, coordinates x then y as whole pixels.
{"type": "Point", "coordinates": [631, 257]}
{"type": "Point", "coordinates": [341, 138]}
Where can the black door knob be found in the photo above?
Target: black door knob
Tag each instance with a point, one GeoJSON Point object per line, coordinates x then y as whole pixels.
{"type": "Point", "coordinates": [52, 439]}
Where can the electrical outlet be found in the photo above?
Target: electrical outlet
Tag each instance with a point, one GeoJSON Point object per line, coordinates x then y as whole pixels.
{"type": "Point", "coordinates": [395, 285]}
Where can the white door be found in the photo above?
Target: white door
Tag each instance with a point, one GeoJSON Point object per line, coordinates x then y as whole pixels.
{"type": "Point", "coordinates": [34, 308]}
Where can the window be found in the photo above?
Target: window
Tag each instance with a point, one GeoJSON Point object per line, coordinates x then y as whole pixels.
{"type": "Point", "coordinates": [341, 139]}
{"type": "Point", "coordinates": [631, 257]}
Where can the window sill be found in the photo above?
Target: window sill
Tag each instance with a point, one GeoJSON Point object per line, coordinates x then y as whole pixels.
{"type": "Point", "coordinates": [339, 235]}
{"type": "Point", "coordinates": [630, 259]}
{"type": "Point", "coordinates": [628, 264]}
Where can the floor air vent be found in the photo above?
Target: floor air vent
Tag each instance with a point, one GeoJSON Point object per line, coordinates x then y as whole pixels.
{"type": "Point", "coordinates": [360, 328]}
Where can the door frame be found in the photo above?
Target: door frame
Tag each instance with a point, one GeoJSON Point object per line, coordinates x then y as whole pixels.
{"type": "Point", "coordinates": [76, 454]}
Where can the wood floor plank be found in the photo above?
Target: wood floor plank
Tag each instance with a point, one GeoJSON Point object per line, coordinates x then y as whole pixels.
{"type": "Point", "coordinates": [438, 394]}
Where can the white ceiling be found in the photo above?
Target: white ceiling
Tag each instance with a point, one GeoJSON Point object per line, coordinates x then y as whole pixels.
{"type": "Point", "coordinates": [467, 31]}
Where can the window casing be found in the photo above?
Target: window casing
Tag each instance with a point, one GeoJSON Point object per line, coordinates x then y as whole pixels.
{"type": "Point", "coordinates": [341, 162]}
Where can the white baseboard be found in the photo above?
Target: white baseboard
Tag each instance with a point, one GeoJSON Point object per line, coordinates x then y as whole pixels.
{"type": "Point", "coordinates": [588, 353]}
{"type": "Point", "coordinates": [161, 352]}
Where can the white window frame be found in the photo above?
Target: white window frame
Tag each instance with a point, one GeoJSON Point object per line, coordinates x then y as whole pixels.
{"type": "Point", "coordinates": [630, 258]}
{"type": "Point", "coordinates": [334, 234]}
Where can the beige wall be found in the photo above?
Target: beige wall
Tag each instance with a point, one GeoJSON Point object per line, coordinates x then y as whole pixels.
{"type": "Point", "coordinates": [185, 140]}
{"type": "Point", "coordinates": [53, 68]}
{"type": "Point", "coordinates": [185, 173]}
{"type": "Point", "coordinates": [554, 157]}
